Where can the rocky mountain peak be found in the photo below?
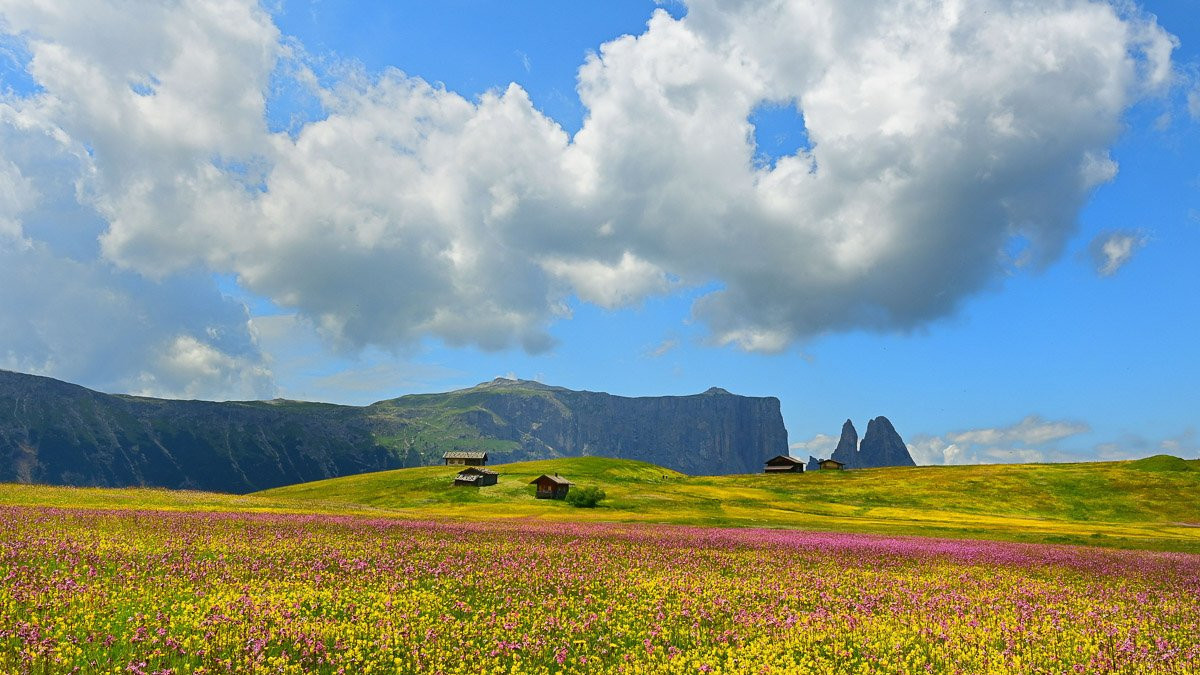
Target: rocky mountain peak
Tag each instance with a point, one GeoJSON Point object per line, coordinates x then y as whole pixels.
{"type": "Point", "coordinates": [882, 446]}
{"type": "Point", "coordinates": [847, 447]}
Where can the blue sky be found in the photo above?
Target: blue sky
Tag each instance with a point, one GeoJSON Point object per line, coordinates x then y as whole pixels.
{"type": "Point", "coordinates": [989, 239]}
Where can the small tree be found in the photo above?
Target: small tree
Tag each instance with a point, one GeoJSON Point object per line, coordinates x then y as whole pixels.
{"type": "Point", "coordinates": [585, 497]}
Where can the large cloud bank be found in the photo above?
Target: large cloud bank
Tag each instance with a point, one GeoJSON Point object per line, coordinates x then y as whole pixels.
{"type": "Point", "coordinates": [940, 132]}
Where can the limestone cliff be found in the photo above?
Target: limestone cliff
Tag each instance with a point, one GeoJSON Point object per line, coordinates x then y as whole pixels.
{"type": "Point", "coordinates": [59, 433]}
{"type": "Point", "coordinates": [882, 446]}
{"type": "Point", "coordinates": [846, 451]}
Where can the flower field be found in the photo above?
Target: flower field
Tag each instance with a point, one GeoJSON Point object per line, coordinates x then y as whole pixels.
{"type": "Point", "coordinates": [158, 592]}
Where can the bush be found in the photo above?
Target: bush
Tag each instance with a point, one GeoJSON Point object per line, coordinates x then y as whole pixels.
{"type": "Point", "coordinates": [585, 497]}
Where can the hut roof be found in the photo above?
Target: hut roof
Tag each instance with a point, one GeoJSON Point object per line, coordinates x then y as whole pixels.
{"type": "Point", "coordinates": [478, 471]}
{"type": "Point", "coordinates": [781, 459]}
{"type": "Point", "coordinates": [833, 461]}
{"type": "Point", "coordinates": [555, 478]}
{"type": "Point", "coordinates": [464, 454]}
{"type": "Point", "coordinates": [467, 477]}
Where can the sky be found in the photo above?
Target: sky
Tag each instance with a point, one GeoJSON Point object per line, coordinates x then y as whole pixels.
{"type": "Point", "coordinates": [980, 219]}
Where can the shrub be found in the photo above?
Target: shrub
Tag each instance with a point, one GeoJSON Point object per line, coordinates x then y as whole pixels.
{"type": "Point", "coordinates": [585, 497]}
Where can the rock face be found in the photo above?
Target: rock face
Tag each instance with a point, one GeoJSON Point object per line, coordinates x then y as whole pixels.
{"type": "Point", "coordinates": [710, 433]}
{"type": "Point", "coordinates": [846, 451]}
{"type": "Point", "coordinates": [882, 446]}
{"type": "Point", "coordinates": [58, 433]}
{"type": "Point", "coordinates": [62, 434]}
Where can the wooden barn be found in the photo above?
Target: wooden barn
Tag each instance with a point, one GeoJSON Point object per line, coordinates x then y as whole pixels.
{"type": "Point", "coordinates": [551, 487]}
{"type": "Point", "coordinates": [827, 464]}
{"type": "Point", "coordinates": [785, 464]}
{"type": "Point", "coordinates": [465, 458]}
{"type": "Point", "coordinates": [476, 477]}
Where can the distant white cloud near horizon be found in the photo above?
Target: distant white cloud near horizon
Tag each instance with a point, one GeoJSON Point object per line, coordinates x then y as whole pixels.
{"type": "Point", "coordinates": [1032, 439]}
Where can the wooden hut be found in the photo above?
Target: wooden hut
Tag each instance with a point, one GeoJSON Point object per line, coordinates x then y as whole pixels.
{"type": "Point", "coordinates": [551, 487]}
{"type": "Point", "coordinates": [465, 457]}
{"type": "Point", "coordinates": [785, 464]}
{"type": "Point", "coordinates": [476, 477]}
{"type": "Point", "coordinates": [827, 464]}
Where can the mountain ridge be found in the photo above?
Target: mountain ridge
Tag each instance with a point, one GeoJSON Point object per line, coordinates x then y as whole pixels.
{"type": "Point", "coordinates": [61, 433]}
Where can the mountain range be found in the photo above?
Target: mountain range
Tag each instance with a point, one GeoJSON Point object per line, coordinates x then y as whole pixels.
{"type": "Point", "coordinates": [64, 434]}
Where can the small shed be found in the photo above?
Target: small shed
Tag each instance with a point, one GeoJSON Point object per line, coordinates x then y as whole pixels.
{"type": "Point", "coordinates": [551, 487]}
{"type": "Point", "coordinates": [831, 464]}
{"type": "Point", "coordinates": [476, 477]}
{"type": "Point", "coordinates": [465, 457]}
{"type": "Point", "coordinates": [785, 464]}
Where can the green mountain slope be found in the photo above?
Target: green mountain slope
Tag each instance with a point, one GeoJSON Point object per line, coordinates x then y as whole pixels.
{"type": "Point", "coordinates": [58, 433]}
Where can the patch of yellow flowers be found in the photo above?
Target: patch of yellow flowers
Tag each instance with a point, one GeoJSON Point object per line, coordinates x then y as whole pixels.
{"type": "Point", "coordinates": [200, 593]}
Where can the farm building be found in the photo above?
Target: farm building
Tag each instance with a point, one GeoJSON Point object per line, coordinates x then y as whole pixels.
{"type": "Point", "coordinates": [551, 487]}
{"type": "Point", "coordinates": [476, 477]}
{"type": "Point", "coordinates": [465, 457]}
{"type": "Point", "coordinates": [827, 464]}
{"type": "Point", "coordinates": [785, 464]}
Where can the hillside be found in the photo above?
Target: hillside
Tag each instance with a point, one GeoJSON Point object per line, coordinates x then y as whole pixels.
{"type": "Point", "coordinates": [63, 434]}
{"type": "Point", "coordinates": [1153, 503]}
{"type": "Point", "coordinates": [1150, 504]}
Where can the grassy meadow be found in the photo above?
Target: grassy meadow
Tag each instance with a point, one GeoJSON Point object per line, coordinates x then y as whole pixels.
{"type": "Point", "coordinates": [93, 591]}
{"type": "Point", "coordinates": [1150, 504]}
{"type": "Point", "coordinates": [402, 572]}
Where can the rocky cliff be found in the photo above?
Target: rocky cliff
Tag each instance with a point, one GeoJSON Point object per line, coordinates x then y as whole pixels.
{"type": "Point", "coordinates": [59, 433]}
{"type": "Point", "coordinates": [882, 446]}
{"type": "Point", "coordinates": [710, 433]}
{"type": "Point", "coordinates": [846, 451]}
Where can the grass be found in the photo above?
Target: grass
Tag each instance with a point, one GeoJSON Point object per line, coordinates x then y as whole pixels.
{"type": "Point", "coordinates": [1150, 504]}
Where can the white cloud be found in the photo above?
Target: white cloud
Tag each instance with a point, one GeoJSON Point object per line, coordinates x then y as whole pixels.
{"type": "Point", "coordinates": [663, 348]}
{"type": "Point", "coordinates": [89, 323]}
{"type": "Point", "coordinates": [610, 285]}
{"type": "Point", "coordinates": [938, 131]}
{"type": "Point", "coordinates": [819, 446]}
{"type": "Point", "coordinates": [1111, 250]}
{"type": "Point", "coordinates": [1033, 439]}
{"type": "Point", "coordinates": [189, 368]}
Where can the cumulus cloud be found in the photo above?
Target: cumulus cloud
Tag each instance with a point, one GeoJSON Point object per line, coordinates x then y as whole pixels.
{"type": "Point", "coordinates": [66, 312]}
{"type": "Point", "coordinates": [938, 132]}
{"type": "Point", "coordinates": [610, 286]}
{"type": "Point", "coordinates": [821, 445]}
{"type": "Point", "coordinates": [87, 322]}
{"type": "Point", "coordinates": [1033, 439]}
{"type": "Point", "coordinates": [1111, 250]}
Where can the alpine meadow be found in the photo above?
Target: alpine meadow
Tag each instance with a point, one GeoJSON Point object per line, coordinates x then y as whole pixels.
{"type": "Point", "coordinates": [629, 337]}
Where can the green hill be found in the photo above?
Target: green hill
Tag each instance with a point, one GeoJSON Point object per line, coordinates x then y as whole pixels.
{"type": "Point", "coordinates": [1152, 503]}
{"type": "Point", "coordinates": [1113, 503]}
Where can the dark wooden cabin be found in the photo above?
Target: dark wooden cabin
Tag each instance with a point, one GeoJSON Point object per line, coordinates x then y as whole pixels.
{"type": "Point", "coordinates": [551, 487]}
{"type": "Point", "coordinates": [465, 457]}
{"type": "Point", "coordinates": [827, 464]}
{"type": "Point", "coordinates": [785, 464]}
{"type": "Point", "coordinates": [476, 477]}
